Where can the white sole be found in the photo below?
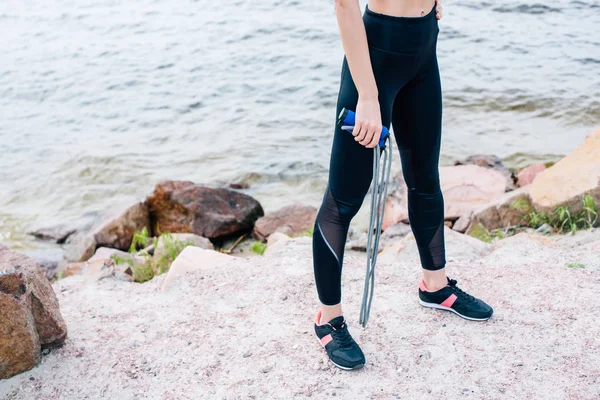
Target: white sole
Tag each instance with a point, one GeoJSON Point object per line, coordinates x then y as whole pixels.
{"type": "Point", "coordinates": [337, 365]}
{"type": "Point", "coordinates": [439, 307]}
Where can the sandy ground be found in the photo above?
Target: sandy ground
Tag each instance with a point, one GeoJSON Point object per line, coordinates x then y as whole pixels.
{"type": "Point", "coordinates": [245, 330]}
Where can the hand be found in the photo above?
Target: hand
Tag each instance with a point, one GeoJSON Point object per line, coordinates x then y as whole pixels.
{"type": "Point", "coordinates": [367, 124]}
{"type": "Point", "coordinates": [438, 9]}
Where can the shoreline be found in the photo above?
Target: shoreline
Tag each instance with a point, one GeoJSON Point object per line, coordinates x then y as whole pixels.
{"type": "Point", "coordinates": [258, 186]}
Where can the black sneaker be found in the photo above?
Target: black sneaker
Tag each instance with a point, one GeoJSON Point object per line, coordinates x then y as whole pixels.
{"type": "Point", "coordinates": [341, 348]}
{"type": "Point", "coordinates": [451, 298]}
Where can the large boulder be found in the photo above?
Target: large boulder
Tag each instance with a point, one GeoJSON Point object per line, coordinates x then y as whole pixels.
{"type": "Point", "coordinates": [115, 231]}
{"type": "Point", "coordinates": [469, 187]}
{"type": "Point", "coordinates": [292, 219]}
{"type": "Point", "coordinates": [508, 210]}
{"type": "Point", "coordinates": [493, 162]}
{"type": "Point", "coordinates": [466, 188]}
{"type": "Point", "coordinates": [568, 180]}
{"type": "Point", "coordinates": [31, 318]}
{"type": "Point", "coordinates": [185, 207]}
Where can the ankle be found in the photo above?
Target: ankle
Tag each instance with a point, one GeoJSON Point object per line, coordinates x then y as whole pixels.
{"type": "Point", "coordinates": [435, 280]}
{"type": "Point", "coordinates": [329, 312]}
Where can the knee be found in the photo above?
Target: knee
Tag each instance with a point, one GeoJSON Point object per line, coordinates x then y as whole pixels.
{"type": "Point", "coordinates": [338, 210]}
{"type": "Point", "coordinates": [426, 183]}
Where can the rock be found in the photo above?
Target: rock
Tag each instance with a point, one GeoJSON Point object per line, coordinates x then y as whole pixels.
{"type": "Point", "coordinates": [508, 210]}
{"type": "Point", "coordinates": [293, 219]}
{"type": "Point", "coordinates": [388, 237]}
{"type": "Point", "coordinates": [50, 268]}
{"type": "Point", "coordinates": [568, 180]}
{"type": "Point", "coordinates": [74, 269]}
{"type": "Point", "coordinates": [462, 223]}
{"type": "Point", "coordinates": [393, 233]}
{"type": "Point", "coordinates": [190, 238]}
{"type": "Point", "coordinates": [545, 229]}
{"type": "Point", "coordinates": [277, 237]}
{"type": "Point", "coordinates": [194, 258]}
{"type": "Point", "coordinates": [528, 174]}
{"type": "Point", "coordinates": [396, 204]}
{"type": "Point", "coordinates": [492, 162]}
{"type": "Point", "coordinates": [106, 253]}
{"type": "Point", "coordinates": [469, 187]}
{"type": "Point", "coordinates": [122, 259]}
{"type": "Point", "coordinates": [80, 247]}
{"type": "Point", "coordinates": [117, 232]}
{"type": "Point", "coordinates": [184, 207]}
{"type": "Point", "coordinates": [31, 318]}
{"type": "Point", "coordinates": [50, 259]}
{"type": "Point", "coordinates": [98, 268]}
{"type": "Point", "coordinates": [465, 189]}
{"type": "Point", "coordinates": [276, 241]}
{"type": "Point", "coordinates": [56, 233]}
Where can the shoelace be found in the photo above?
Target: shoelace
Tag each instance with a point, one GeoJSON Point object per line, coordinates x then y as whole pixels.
{"type": "Point", "coordinates": [458, 291]}
{"type": "Point", "coordinates": [342, 336]}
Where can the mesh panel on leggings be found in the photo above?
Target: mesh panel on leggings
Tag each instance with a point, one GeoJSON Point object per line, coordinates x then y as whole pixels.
{"type": "Point", "coordinates": [436, 247]}
{"type": "Point", "coordinates": [333, 226]}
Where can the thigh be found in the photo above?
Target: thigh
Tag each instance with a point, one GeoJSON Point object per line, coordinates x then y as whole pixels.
{"type": "Point", "coordinates": [351, 164]}
{"type": "Point", "coordinates": [417, 122]}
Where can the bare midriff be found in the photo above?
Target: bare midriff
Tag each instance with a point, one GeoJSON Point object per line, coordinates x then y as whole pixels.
{"type": "Point", "coordinates": [401, 8]}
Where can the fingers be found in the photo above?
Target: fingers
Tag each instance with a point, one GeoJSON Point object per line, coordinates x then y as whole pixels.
{"type": "Point", "coordinates": [359, 131]}
{"type": "Point", "coordinates": [367, 134]}
{"type": "Point", "coordinates": [438, 9]}
{"type": "Point", "coordinates": [374, 133]}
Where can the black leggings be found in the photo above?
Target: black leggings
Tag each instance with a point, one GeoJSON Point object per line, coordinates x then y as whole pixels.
{"type": "Point", "coordinates": [403, 57]}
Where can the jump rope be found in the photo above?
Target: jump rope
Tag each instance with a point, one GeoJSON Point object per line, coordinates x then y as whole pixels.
{"type": "Point", "coordinates": [379, 187]}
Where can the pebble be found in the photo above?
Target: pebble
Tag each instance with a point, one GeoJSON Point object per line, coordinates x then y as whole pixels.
{"type": "Point", "coordinates": [266, 369]}
{"type": "Point", "coordinates": [247, 354]}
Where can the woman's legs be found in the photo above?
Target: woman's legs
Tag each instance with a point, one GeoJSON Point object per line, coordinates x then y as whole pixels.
{"type": "Point", "coordinates": [417, 122]}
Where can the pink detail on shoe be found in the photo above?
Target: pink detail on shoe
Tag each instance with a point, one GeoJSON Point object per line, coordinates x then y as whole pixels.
{"type": "Point", "coordinates": [422, 286]}
{"type": "Point", "coordinates": [449, 301]}
{"type": "Point", "coordinates": [326, 339]}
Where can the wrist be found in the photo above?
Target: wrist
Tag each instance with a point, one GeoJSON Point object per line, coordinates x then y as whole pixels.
{"type": "Point", "coordinates": [371, 94]}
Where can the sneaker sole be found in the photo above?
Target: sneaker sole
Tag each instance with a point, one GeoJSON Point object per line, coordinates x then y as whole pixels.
{"type": "Point", "coordinates": [439, 307]}
{"type": "Point", "coordinates": [337, 365]}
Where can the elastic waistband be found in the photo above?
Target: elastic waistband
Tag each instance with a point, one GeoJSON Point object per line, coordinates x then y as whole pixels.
{"type": "Point", "coordinates": [402, 20]}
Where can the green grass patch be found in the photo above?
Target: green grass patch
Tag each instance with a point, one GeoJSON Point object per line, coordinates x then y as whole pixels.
{"type": "Point", "coordinates": [259, 248]}
{"type": "Point", "coordinates": [151, 266]}
{"type": "Point", "coordinates": [520, 204]}
{"type": "Point", "coordinates": [563, 220]}
{"type": "Point", "coordinates": [143, 272]}
{"type": "Point", "coordinates": [576, 265]}
{"type": "Point", "coordinates": [479, 232]}
{"type": "Point", "coordinates": [122, 260]}
{"type": "Point", "coordinates": [139, 241]}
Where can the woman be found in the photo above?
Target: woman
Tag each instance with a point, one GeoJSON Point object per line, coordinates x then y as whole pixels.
{"type": "Point", "coordinates": [389, 75]}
